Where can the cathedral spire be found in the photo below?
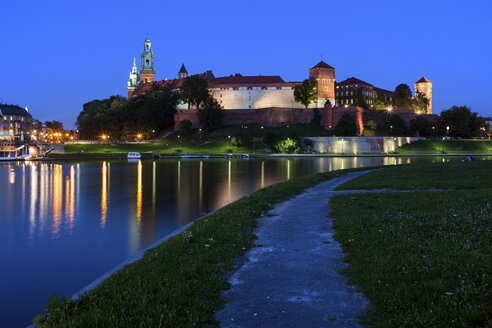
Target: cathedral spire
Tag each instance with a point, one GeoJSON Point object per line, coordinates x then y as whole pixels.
{"type": "Point", "coordinates": [147, 71]}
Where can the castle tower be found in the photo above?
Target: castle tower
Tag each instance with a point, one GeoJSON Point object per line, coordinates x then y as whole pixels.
{"type": "Point", "coordinates": [134, 79]}
{"type": "Point", "coordinates": [325, 83]}
{"type": "Point", "coordinates": [183, 73]}
{"type": "Point", "coordinates": [425, 86]}
{"type": "Point", "coordinates": [147, 71]}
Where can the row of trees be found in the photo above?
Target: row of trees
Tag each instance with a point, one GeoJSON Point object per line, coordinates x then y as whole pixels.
{"type": "Point", "coordinates": [458, 122]}
{"type": "Point", "coordinates": [148, 114]}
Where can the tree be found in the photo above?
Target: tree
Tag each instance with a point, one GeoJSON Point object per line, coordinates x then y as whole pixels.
{"type": "Point", "coordinates": [210, 114]}
{"type": "Point", "coordinates": [422, 126]}
{"type": "Point", "coordinates": [55, 125]}
{"type": "Point", "coordinates": [305, 93]}
{"type": "Point", "coordinates": [380, 102]}
{"type": "Point", "coordinates": [395, 126]}
{"type": "Point", "coordinates": [462, 123]}
{"type": "Point", "coordinates": [194, 91]}
{"type": "Point", "coordinates": [185, 128]}
{"type": "Point", "coordinates": [347, 125]}
{"type": "Point", "coordinates": [420, 102]}
{"type": "Point", "coordinates": [403, 97]}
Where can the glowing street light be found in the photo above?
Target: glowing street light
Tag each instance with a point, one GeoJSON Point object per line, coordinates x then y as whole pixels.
{"type": "Point", "coordinates": [390, 109]}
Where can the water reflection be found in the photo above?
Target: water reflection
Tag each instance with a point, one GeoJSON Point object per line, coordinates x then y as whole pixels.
{"type": "Point", "coordinates": [74, 221]}
{"type": "Point", "coordinates": [104, 194]}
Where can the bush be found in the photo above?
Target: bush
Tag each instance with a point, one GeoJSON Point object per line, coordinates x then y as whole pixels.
{"type": "Point", "coordinates": [422, 127]}
{"type": "Point", "coordinates": [185, 128]}
{"type": "Point", "coordinates": [241, 140]}
{"type": "Point", "coordinates": [270, 139]}
{"type": "Point", "coordinates": [288, 146]}
{"type": "Point", "coordinates": [347, 125]}
{"type": "Point", "coordinates": [395, 126]}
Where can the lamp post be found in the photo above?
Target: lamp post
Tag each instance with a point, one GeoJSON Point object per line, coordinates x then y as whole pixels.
{"type": "Point", "coordinates": [342, 146]}
{"type": "Point", "coordinates": [229, 142]}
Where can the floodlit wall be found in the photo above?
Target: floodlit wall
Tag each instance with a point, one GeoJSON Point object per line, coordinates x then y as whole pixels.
{"type": "Point", "coordinates": [358, 145]}
{"type": "Point", "coordinates": [256, 97]}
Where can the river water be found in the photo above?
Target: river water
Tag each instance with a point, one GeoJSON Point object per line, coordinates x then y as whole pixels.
{"type": "Point", "coordinates": [63, 224]}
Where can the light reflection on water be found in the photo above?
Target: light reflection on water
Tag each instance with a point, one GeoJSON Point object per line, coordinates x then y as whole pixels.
{"type": "Point", "coordinates": [62, 224]}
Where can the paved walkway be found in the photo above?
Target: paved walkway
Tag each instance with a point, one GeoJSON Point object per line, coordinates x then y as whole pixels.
{"type": "Point", "coordinates": [291, 280]}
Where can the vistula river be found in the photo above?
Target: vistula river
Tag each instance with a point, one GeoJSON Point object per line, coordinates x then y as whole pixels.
{"type": "Point", "coordinates": [64, 223]}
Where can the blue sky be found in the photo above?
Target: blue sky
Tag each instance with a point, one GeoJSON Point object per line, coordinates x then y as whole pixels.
{"type": "Point", "coordinates": [57, 55]}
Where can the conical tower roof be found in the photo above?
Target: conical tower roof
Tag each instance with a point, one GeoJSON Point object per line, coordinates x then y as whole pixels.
{"type": "Point", "coordinates": [423, 80]}
{"type": "Point", "coordinates": [183, 69]}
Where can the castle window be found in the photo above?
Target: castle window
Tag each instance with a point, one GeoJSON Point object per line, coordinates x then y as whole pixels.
{"type": "Point", "coordinates": [235, 88]}
{"type": "Point", "coordinates": [221, 95]}
{"type": "Point", "coordinates": [328, 81]}
{"type": "Point", "coordinates": [346, 93]}
{"type": "Point", "coordinates": [249, 106]}
{"type": "Point", "coordinates": [351, 101]}
{"type": "Point", "coordinates": [323, 81]}
{"type": "Point", "coordinates": [263, 88]}
{"type": "Point", "coordinates": [147, 61]}
{"type": "Point", "coordinates": [250, 88]}
{"type": "Point", "coordinates": [326, 88]}
{"type": "Point", "coordinates": [278, 88]}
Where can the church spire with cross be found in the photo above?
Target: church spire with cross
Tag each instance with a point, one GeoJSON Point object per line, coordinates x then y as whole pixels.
{"type": "Point", "coordinates": [134, 79]}
{"type": "Point", "coordinates": [147, 71]}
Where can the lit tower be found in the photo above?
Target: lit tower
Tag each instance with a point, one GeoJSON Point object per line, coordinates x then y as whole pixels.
{"type": "Point", "coordinates": [147, 71]}
{"type": "Point", "coordinates": [325, 83]}
{"type": "Point", "coordinates": [425, 86]}
{"type": "Point", "coordinates": [134, 79]}
{"type": "Point", "coordinates": [183, 73]}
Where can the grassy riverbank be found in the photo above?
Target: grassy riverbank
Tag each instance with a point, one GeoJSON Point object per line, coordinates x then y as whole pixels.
{"type": "Point", "coordinates": [218, 144]}
{"type": "Point", "coordinates": [178, 283]}
{"type": "Point", "coordinates": [422, 258]}
{"type": "Point", "coordinates": [446, 147]}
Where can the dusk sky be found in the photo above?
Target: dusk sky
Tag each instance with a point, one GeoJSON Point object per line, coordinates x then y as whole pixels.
{"type": "Point", "coordinates": [58, 55]}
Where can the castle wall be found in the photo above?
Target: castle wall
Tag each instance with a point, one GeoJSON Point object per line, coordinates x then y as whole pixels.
{"type": "Point", "coordinates": [358, 145]}
{"type": "Point", "coordinates": [256, 97]}
{"type": "Point", "coordinates": [266, 116]}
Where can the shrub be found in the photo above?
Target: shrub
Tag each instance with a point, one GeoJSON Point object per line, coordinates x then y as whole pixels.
{"type": "Point", "coordinates": [185, 128]}
{"type": "Point", "coordinates": [270, 139]}
{"type": "Point", "coordinates": [241, 140]}
{"type": "Point", "coordinates": [317, 117]}
{"type": "Point", "coordinates": [288, 146]}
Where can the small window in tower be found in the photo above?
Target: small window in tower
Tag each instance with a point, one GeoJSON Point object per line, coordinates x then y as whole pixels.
{"type": "Point", "coordinates": [326, 88]}
{"type": "Point", "coordinates": [147, 61]}
{"type": "Point", "coordinates": [323, 81]}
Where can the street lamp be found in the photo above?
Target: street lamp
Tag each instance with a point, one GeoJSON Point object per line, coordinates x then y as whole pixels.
{"type": "Point", "coordinates": [342, 146]}
{"type": "Point", "coordinates": [229, 142]}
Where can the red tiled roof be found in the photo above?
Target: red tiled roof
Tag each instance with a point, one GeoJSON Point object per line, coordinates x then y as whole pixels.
{"type": "Point", "coordinates": [352, 80]}
{"type": "Point", "coordinates": [174, 83]}
{"type": "Point", "coordinates": [322, 64]}
{"type": "Point", "coordinates": [423, 80]}
{"type": "Point", "coordinates": [383, 91]}
{"type": "Point", "coordinates": [247, 80]}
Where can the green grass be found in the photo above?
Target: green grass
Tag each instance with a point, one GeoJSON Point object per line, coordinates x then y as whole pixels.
{"type": "Point", "coordinates": [450, 147]}
{"type": "Point", "coordinates": [448, 175]}
{"type": "Point", "coordinates": [423, 259]}
{"type": "Point", "coordinates": [178, 283]}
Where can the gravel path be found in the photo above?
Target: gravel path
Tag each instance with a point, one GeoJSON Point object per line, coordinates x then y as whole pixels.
{"type": "Point", "coordinates": [291, 279]}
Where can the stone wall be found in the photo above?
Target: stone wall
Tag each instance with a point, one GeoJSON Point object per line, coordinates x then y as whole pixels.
{"type": "Point", "coordinates": [358, 145]}
{"type": "Point", "coordinates": [265, 116]}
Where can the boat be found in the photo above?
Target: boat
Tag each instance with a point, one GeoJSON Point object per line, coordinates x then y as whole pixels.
{"type": "Point", "coordinates": [134, 155]}
{"type": "Point", "coordinates": [194, 155]}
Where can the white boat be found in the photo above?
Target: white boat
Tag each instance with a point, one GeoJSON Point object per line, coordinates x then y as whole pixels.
{"type": "Point", "coordinates": [134, 155]}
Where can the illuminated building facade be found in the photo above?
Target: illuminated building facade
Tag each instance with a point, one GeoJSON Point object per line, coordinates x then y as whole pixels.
{"type": "Point", "coordinates": [15, 120]}
{"type": "Point", "coordinates": [354, 91]}
{"type": "Point", "coordinates": [425, 86]}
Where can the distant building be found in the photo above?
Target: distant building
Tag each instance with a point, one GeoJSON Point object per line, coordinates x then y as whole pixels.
{"type": "Point", "coordinates": [425, 86]}
{"type": "Point", "coordinates": [15, 120]}
{"type": "Point", "coordinates": [354, 91]}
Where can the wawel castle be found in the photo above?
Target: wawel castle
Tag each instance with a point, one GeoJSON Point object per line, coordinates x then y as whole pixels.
{"type": "Point", "coordinates": [261, 92]}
